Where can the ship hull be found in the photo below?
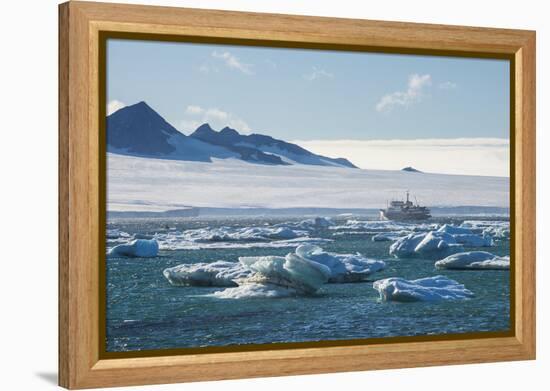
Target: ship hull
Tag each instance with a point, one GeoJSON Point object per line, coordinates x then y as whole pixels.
{"type": "Point", "coordinates": [402, 216]}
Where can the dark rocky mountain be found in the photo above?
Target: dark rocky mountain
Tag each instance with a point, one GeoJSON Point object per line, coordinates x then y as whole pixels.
{"type": "Point", "coordinates": [138, 130]}
{"type": "Point", "coordinates": [265, 149]}
{"type": "Point", "coordinates": [410, 169]}
{"type": "Point", "coordinates": [229, 138]}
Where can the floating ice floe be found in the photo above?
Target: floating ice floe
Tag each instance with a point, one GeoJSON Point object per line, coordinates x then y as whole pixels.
{"type": "Point", "coordinates": [474, 260]}
{"type": "Point", "coordinates": [139, 248]}
{"type": "Point", "coordinates": [229, 234]}
{"type": "Point", "coordinates": [275, 276]}
{"type": "Point", "coordinates": [219, 273]}
{"type": "Point", "coordinates": [384, 226]}
{"type": "Point", "coordinates": [317, 223]}
{"type": "Point", "coordinates": [235, 237]}
{"type": "Point", "coordinates": [431, 289]}
{"type": "Point", "coordinates": [309, 224]}
{"type": "Point", "coordinates": [431, 244]}
{"type": "Point", "coordinates": [343, 267]}
{"type": "Point", "coordinates": [252, 290]}
{"type": "Point", "coordinates": [497, 229]}
{"type": "Point", "coordinates": [115, 233]}
{"type": "Point", "coordinates": [466, 237]}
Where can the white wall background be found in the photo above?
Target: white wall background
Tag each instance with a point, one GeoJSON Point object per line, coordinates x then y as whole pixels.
{"type": "Point", "coordinates": [28, 217]}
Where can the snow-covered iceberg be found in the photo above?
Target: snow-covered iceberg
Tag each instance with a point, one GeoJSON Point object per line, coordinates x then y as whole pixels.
{"type": "Point", "coordinates": [219, 273]}
{"type": "Point", "coordinates": [453, 230]}
{"type": "Point", "coordinates": [275, 276]}
{"type": "Point", "coordinates": [340, 267]}
{"type": "Point", "coordinates": [139, 248]}
{"type": "Point", "coordinates": [431, 289]}
{"type": "Point", "coordinates": [496, 229]}
{"type": "Point", "coordinates": [466, 236]}
{"type": "Point", "coordinates": [474, 260]}
{"type": "Point", "coordinates": [343, 267]}
{"type": "Point", "coordinates": [473, 240]}
{"type": "Point", "coordinates": [432, 244]}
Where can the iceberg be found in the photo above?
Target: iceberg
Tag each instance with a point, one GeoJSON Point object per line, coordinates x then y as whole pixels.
{"type": "Point", "coordinates": [309, 224]}
{"type": "Point", "coordinates": [466, 237]}
{"type": "Point", "coordinates": [474, 260]}
{"type": "Point", "coordinates": [315, 223]}
{"type": "Point", "coordinates": [219, 273]}
{"type": "Point", "coordinates": [291, 271]}
{"type": "Point", "coordinates": [472, 240]}
{"type": "Point", "coordinates": [139, 248]}
{"type": "Point", "coordinates": [431, 244]}
{"type": "Point", "coordinates": [343, 267]}
{"type": "Point", "coordinates": [430, 289]}
{"type": "Point", "coordinates": [451, 229]}
{"type": "Point", "coordinates": [275, 276]}
{"type": "Point", "coordinates": [496, 229]}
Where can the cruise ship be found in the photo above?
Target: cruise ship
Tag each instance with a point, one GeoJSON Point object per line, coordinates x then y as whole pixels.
{"type": "Point", "coordinates": [405, 210]}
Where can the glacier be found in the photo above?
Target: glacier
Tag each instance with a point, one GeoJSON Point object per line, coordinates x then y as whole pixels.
{"type": "Point", "coordinates": [430, 289]}
{"type": "Point", "coordinates": [474, 260]}
{"type": "Point", "coordinates": [233, 183]}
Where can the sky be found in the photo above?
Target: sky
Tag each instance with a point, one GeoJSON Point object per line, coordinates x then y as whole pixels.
{"type": "Point", "coordinates": [381, 111]}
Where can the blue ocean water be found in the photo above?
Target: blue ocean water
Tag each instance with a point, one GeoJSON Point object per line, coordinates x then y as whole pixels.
{"type": "Point", "coordinates": [145, 312]}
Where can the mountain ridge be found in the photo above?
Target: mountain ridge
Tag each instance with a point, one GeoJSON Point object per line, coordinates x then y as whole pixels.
{"type": "Point", "coordinates": [138, 130]}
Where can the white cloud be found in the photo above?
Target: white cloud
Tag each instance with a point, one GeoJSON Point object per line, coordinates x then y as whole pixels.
{"type": "Point", "coordinates": [317, 73]}
{"type": "Point", "coordinates": [461, 156]}
{"type": "Point", "coordinates": [208, 68]}
{"type": "Point", "coordinates": [192, 109]}
{"type": "Point", "coordinates": [447, 85]}
{"type": "Point", "coordinates": [114, 105]}
{"type": "Point", "coordinates": [197, 115]}
{"type": "Point", "coordinates": [413, 94]}
{"type": "Point", "coordinates": [233, 62]}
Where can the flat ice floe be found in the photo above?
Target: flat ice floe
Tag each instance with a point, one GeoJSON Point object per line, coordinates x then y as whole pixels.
{"type": "Point", "coordinates": [432, 244]}
{"type": "Point", "coordinates": [309, 224]}
{"type": "Point", "coordinates": [430, 289]}
{"type": "Point", "coordinates": [139, 248]}
{"type": "Point", "coordinates": [343, 267]}
{"type": "Point", "coordinates": [252, 290]}
{"type": "Point", "coordinates": [229, 237]}
{"type": "Point", "coordinates": [474, 260]}
{"type": "Point", "coordinates": [219, 273]}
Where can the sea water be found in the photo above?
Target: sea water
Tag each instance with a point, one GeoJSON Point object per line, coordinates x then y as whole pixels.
{"type": "Point", "coordinates": [145, 312]}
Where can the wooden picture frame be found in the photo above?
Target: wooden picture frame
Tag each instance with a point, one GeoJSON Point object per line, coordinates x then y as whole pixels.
{"type": "Point", "coordinates": [81, 244]}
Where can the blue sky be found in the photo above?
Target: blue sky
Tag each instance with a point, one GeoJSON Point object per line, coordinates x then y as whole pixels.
{"type": "Point", "coordinates": [312, 95]}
